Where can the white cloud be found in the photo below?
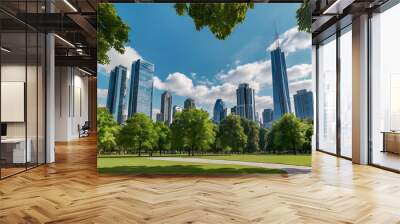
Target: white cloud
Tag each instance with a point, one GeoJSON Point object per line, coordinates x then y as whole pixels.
{"type": "Point", "coordinates": [263, 102]}
{"type": "Point", "coordinates": [292, 40]}
{"type": "Point", "coordinates": [298, 85]}
{"type": "Point", "coordinates": [125, 59]}
{"type": "Point", "coordinates": [300, 71]}
{"type": "Point", "coordinates": [102, 93]}
{"type": "Point", "coordinates": [256, 74]}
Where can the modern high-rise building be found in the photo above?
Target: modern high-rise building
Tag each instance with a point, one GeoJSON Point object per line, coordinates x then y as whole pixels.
{"type": "Point", "coordinates": [219, 111]}
{"type": "Point", "coordinates": [268, 117]}
{"type": "Point", "coordinates": [245, 102]}
{"type": "Point", "coordinates": [159, 117]}
{"type": "Point", "coordinates": [303, 104]}
{"type": "Point", "coordinates": [116, 92]}
{"type": "Point", "coordinates": [166, 107]}
{"type": "Point", "coordinates": [233, 110]}
{"type": "Point", "coordinates": [141, 88]}
{"type": "Point", "coordinates": [189, 103]}
{"type": "Point", "coordinates": [280, 87]}
{"type": "Point", "coordinates": [176, 109]}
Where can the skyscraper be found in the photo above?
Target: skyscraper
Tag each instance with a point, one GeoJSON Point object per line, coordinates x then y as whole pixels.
{"type": "Point", "coordinates": [233, 110]}
{"type": "Point", "coordinates": [219, 111]}
{"type": "Point", "coordinates": [159, 117]}
{"type": "Point", "coordinates": [166, 107]}
{"type": "Point", "coordinates": [280, 83]}
{"type": "Point", "coordinates": [176, 109]}
{"type": "Point", "coordinates": [245, 102]}
{"type": "Point", "coordinates": [189, 103]}
{"type": "Point", "coordinates": [268, 117]}
{"type": "Point", "coordinates": [303, 104]}
{"type": "Point", "coordinates": [116, 92]}
{"type": "Point", "coordinates": [141, 88]}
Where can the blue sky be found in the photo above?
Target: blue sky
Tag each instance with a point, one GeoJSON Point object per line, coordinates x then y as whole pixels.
{"type": "Point", "coordinates": [191, 63]}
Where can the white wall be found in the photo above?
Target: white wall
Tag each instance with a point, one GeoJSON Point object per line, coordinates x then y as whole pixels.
{"type": "Point", "coordinates": [71, 86]}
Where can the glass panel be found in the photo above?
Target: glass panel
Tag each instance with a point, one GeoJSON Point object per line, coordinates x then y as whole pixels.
{"type": "Point", "coordinates": [346, 93]}
{"type": "Point", "coordinates": [13, 86]}
{"type": "Point", "coordinates": [31, 98]}
{"type": "Point", "coordinates": [385, 84]}
{"type": "Point", "coordinates": [327, 95]}
{"type": "Point", "coordinates": [41, 99]}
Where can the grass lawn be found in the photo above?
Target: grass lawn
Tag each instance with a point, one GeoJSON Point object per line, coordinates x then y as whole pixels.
{"type": "Point", "coordinates": [143, 165]}
{"type": "Point", "coordinates": [299, 160]}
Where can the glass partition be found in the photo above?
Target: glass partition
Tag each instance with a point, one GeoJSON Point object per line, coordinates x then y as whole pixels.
{"type": "Point", "coordinates": [385, 89]}
{"type": "Point", "coordinates": [346, 92]}
{"type": "Point", "coordinates": [327, 95]}
{"type": "Point", "coordinates": [22, 101]}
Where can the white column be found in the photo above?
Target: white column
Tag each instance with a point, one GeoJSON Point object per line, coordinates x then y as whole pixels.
{"type": "Point", "coordinates": [50, 98]}
{"type": "Point", "coordinates": [360, 90]}
{"type": "Point", "coordinates": [314, 90]}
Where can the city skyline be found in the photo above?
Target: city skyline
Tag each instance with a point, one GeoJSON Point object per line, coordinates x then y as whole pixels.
{"type": "Point", "coordinates": [244, 57]}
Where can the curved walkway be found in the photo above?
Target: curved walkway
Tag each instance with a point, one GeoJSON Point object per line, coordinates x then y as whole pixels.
{"type": "Point", "coordinates": [291, 169]}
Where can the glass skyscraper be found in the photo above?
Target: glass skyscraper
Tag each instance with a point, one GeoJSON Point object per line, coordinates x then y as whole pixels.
{"type": "Point", "coordinates": [245, 102]}
{"type": "Point", "coordinates": [268, 117]}
{"type": "Point", "coordinates": [116, 92]}
{"type": "Point", "coordinates": [280, 84]}
{"type": "Point", "coordinates": [166, 107]}
{"type": "Point", "coordinates": [141, 88]}
{"type": "Point", "coordinates": [220, 111]}
{"type": "Point", "coordinates": [303, 104]}
{"type": "Point", "coordinates": [189, 103]}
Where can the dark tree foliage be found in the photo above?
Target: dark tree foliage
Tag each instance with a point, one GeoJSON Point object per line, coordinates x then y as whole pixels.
{"type": "Point", "coordinates": [251, 130]}
{"type": "Point", "coordinates": [263, 139]}
{"type": "Point", "coordinates": [232, 136]}
{"type": "Point", "coordinates": [303, 15]}
{"type": "Point", "coordinates": [112, 32]}
{"type": "Point", "coordinates": [220, 18]}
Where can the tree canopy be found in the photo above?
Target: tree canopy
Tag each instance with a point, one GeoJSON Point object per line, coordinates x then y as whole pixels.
{"type": "Point", "coordinates": [107, 130]}
{"type": "Point", "coordinates": [303, 15]}
{"type": "Point", "coordinates": [232, 136]}
{"type": "Point", "coordinates": [220, 18]}
{"type": "Point", "coordinates": [112, 32]}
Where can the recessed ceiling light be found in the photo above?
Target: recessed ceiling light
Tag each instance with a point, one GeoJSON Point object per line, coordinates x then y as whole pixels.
{"type": "Point", "coordinates": [5, 50]}
{"type": "Point", "coordinates": [70, 6]}
{"type": "Point", "coordinates": [64, 40]}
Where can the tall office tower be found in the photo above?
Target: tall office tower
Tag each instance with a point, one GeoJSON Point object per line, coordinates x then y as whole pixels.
{"type": "Point", "coordinates": [159, 117]}
{"type": "Point", "coordinates": [233, 110]}
{"type": "Point", "coordinates": [176, 109]}
{"type": "Point", "coordinates": [245, 102]}
{"type": "Point", "coordinates": [166, 107]}
{"type": "Point", "coordinates": [116, 92]}
{"type": "Point", "coordinates": [141, 88]}
{"type": "Point", "coordinates": [268, 117]}
{"type": "Point", "coordinates": [219, 111]}
{"type": "Point", "coordinates": [303, 104]}
{"type": "Point", "coordinates": [189, 103]}
{"type": "Point", "coordinates": [280, 83]}
{"type": "Point", "coordinates": [257, 120]}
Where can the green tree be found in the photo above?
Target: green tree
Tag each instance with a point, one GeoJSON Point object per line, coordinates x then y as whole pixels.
{"type": "Point", "coordinates": [107, 131]}
{"type": "Point", "coordinates": [112, 32]}
{"type": "Point", "coordinates": [232, 136]}
{"type": "Point", "coordinates": [308, 131]}
{"type": "Point", "coordinates": [196, 130]}
{"type": "Point", "coordinates": [303, 15]}
{"type": "Point", "coordinates": [139, 133]}
{"type": "Point", "coordinates": [288, 134]}
{"type": "Point", "coordinates": [177, 133]}
{"type": "Point", "coordinates": [263, 139]}
{"type": "Point", "coordinates": [221, 18]}
{"type": "Point", "coordinates": [252, 132]}
{"type": "Point", "coordinates": [163, 141]}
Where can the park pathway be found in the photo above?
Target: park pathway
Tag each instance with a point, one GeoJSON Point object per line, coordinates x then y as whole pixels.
{"type": "Point", "coordinates": [290, 169]}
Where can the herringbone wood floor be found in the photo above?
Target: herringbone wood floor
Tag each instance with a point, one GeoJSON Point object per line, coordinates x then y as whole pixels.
{"type": "Point", "coordinates": [70, 191]}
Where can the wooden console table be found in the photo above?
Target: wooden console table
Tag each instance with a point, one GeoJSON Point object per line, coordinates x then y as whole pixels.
{"type": "Point", "coordinates": [391, 141]}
